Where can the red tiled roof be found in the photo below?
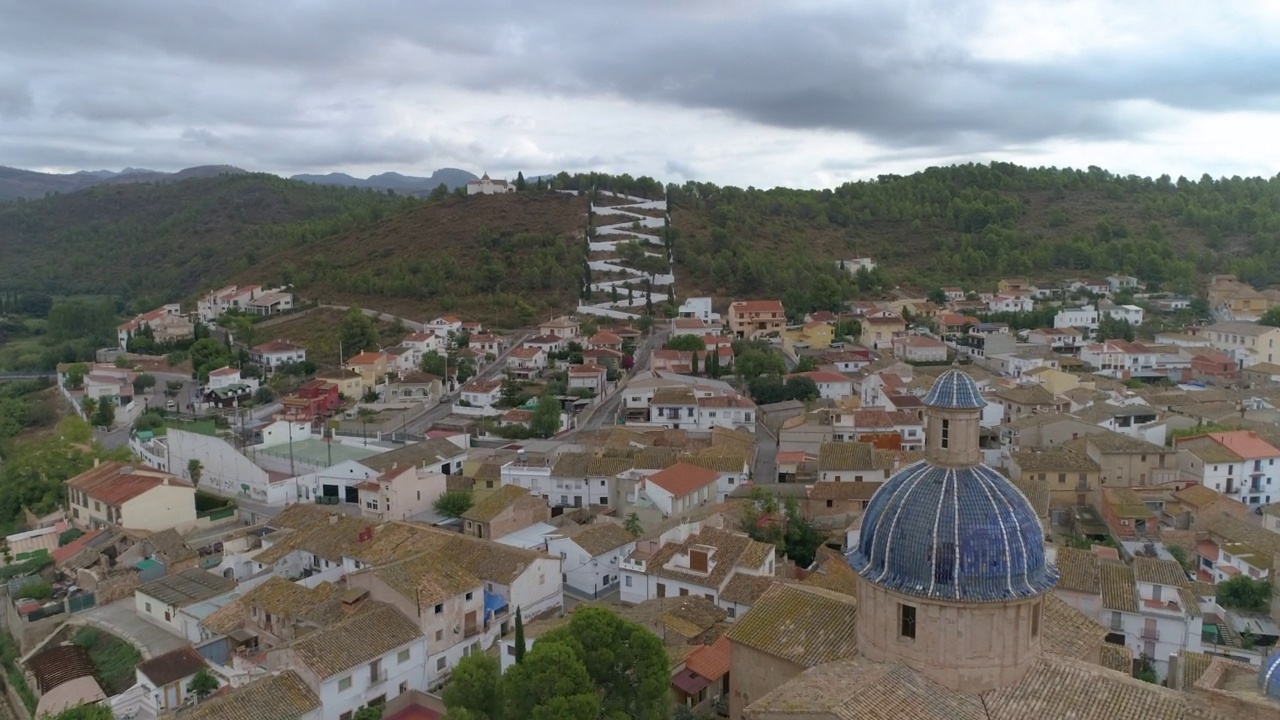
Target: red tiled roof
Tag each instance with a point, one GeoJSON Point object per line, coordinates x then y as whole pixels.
{"type": "Point", "coordinates": [710, 661]}
{"type": "Point", "coordinates": [366, 358]}
{"type": "Point", "coordinates": [115, 483]}
{"type": "Point", "coordinates": [1246, 444]}
{"type": "Point", "coordinates": [586, 370]}
{"type": "Point", "coordinates": [224, 371]}
{"type": "Point", "coordinates": [76, 546]}
{"type": "Point", "coordinates": [682, 478]}
{"type": "Point", "coordinates": [482, 386]}
{"type": "Point", "coordinates": [525, 353]}
{"type": "Point", "coordinates": [605, 337]}
{"type": "Point", "coordinates": [756, 306]}
{"type": "Point", "coordinates": [276, 346]}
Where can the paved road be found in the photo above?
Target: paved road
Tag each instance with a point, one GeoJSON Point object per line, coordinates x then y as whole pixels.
{"type": "Point", "coordinates": [765, 467]}
{"type": "Point", "coordinates": [607, 412]}
{"type": "Point", "coordinates": [435, 414]}
{"type": "Point", "coordinates": [121, 619]}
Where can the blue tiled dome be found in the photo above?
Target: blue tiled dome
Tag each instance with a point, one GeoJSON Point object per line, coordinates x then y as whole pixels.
{"type": "Point", "coordinates": [954, 389]}
{"type": "Point", "coordinates": [964, 534]}
{"type": "Point", "coordinates": [1269, 676]}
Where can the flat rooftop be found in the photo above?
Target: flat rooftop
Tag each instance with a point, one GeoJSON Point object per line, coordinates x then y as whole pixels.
{"type": "Point", "coordinates": [318, 452]}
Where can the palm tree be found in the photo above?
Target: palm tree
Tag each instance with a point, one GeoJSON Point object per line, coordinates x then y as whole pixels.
{"type": "Point", "coordinates": [364, 414]}
{"type": "Point", "coordinates": [195, 469]}
{"type": "Point", "coordinates": [90, 406]}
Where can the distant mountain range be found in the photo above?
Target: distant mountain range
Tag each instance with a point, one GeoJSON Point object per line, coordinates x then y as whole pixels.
{"type": "Point", "coordinates": [405, 184]}
{"type": "Point", "coordinates": [17, 183]}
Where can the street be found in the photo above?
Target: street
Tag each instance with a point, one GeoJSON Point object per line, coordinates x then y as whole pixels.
{"type": "Point", "coordinates": [607, 412]}
{"type": "Point", "coordinates": [439, 412]}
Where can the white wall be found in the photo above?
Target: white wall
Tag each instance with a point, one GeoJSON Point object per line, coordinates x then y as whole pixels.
{"type": "Point", "coordinates": [587, 574]}
{"type": "Point", "coordinates": [225, 471]}
{"type": "Point", "coordinates": [412, 671]}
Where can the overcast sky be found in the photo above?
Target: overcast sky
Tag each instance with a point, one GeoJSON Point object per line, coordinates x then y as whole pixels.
{"type": "Point", "coordinates": [806, 93]}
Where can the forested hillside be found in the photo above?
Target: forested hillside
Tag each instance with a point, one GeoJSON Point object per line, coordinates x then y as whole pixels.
{"type": "Point", "coordinates": [497, 258]}
{"type": "Point", "coordinates": [971, 224]}
{"type": "Point", "coordinates": [166, 241]}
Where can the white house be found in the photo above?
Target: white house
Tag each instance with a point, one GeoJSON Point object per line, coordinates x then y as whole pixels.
{"type": "Point", "coordinates": [1010, 303]}
{"type": "Point", "coordinates": [485, 185]}
{"type": "Point", "coordinates": [853, 265]}
{"type": "Point", "coordinates": [831, 385]}
{"type": "Point", "coordinates": [1085, 316]}
{"type": "Point", "coordinates": [1168, 620]}
{"type": "Point", "coordinates": [227, 376]}
{"type": "Point", "coordinates": [700, 308]}
{"type": "Point", "coordinates": [694, 559]}
{"type": "Point", "coordinates": [590, 556]}
{"type": "Point", "coordinates": [1122, 282]}
{"type": "Point", "coordinates": [1238, 464]}
{"type": "Point", "coordinates": [271, 355]}
{"type": "Point", "coordinates": [367, 659]}
{"type": "Point", "coordinates": [918, 348]}
{"type": "Point", "coordinates": [527, 361]}
{"type": "Point", "coordinates": [159, 601]}
{"type": "Point", "coordinates": [588, 377]}
{"type": "Point", "coordinates": [563, 327]}
{"type": "Point", "coordinates": [1131, 314]}
{"type": "Point", "coordinates": [482, 394]}
{"type": "Point", "coordinates": [680, 488]}
{"type": "Point", "coordinates": [165, 678]}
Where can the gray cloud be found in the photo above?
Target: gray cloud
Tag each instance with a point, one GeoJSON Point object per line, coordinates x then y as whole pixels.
{"type": "Point", "coordinates": [306, 85]}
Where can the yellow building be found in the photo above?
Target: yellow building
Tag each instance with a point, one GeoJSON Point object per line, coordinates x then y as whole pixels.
{"type": "Point", "coordinates": [113, 494]}
{"type": "Point", "coordinates": [350, 383]}
{"type": "Point", "coordinates": [372, 367]}
{"type": "Point", "coordinates": [812, 335]}
{"type": "Point", "coordinates": [1053, 380]}
{"type": "Point", "coordinates": [1228, 295]}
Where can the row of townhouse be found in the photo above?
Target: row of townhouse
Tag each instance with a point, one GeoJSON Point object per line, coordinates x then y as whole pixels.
{"type": "Point", "coordinates": [165, 324]}
{"type": "Point", "coordinates": [697, 559]}
{"type": "Point", "coordinates": [1149, 606]}
{"type": "Point", "coordinates": [673, 484]}
{"type": "Point", "coordinates": [680, 402]}
{"type": "Point", "coordinates": [249, 299]}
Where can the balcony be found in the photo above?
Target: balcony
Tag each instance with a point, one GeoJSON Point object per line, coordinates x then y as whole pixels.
{"type": "Point", "coordinates": [377, 677]}
{"type": "Point", "coordinates": [471, 631]}
{"type": "Point", "coordinates": [1150, 634]}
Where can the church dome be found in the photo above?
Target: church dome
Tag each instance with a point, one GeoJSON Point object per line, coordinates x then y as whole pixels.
{"type": "Point", "coordinates": [964, 534]}
{"type": "Point", "coordinates": [1269, 676]}
{"type": "Point", "coordinates": [949, 527]}
{"type": "Point", "coordinates": [955, 390]}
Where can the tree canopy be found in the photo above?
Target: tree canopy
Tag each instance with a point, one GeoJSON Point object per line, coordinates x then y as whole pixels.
{"type": "Point", "coordinates": [595, 666]}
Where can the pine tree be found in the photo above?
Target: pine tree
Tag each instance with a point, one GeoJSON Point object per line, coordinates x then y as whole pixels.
{"type": "Point", "coordinates": [713, 363]}
{"type": "Point", "coordinates": [519, 636]}
{"type": "Point", "coordinates": [693, 364]}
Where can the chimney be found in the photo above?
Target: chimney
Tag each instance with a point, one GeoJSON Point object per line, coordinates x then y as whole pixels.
{"type": "Point", "coordinates": [353, 599]}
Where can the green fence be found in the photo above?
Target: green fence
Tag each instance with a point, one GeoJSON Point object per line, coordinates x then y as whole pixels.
{"type": "Point", "coordinates": [219, 514]}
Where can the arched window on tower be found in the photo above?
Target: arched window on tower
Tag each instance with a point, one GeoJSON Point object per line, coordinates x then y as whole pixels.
{"type": "Point", "coordinates": [943, 437]}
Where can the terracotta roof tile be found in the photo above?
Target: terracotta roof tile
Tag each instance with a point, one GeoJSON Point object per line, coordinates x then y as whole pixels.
{"type": "Point", "coordinates": [602, 537]}
{"type": "Point", "coordinates": [115, 483]}
{"type": "Point", "coordinates": [802, 624]}
{"type": "Point", "coordinates": [1079, 570]}
{"type": "Point", "coordinates": [1117, 657]}
{"type": "Point", "coordinates": [1067, 631]}
{"type": "Point", "coordinates": [495, 503]}
{"type": "Point", "coordinates": [1118, 589]}
{"type": "Point", "coordinates": [845, 456]}
{"type": "Point", "coordinates": [1160, 572]}
{"type": "Point", "coordinates": [278, 697]}
{"type": "Point", "coordinates": [745, 589]}
{"type": "Point", "coordinates": [710, 661]}
{"type": "Point", "coordinates": [355, 641]}
{"type": "Point", "coordinates": [427, 579]}
{"type": "Point", "coordinates": [683, 478]}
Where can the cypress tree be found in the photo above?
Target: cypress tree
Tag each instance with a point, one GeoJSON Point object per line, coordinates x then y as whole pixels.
{"type": "Point", "coordinates": [519, 636]}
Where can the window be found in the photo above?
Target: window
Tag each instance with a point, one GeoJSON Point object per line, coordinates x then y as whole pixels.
{"type": "Point", "coordinates": [404, 687]}
{"type": "Point", "coordinates": [469, 595]}
{"type": "Point", "coordinates": [601, 482]}
{"type": "Point", "coordinates": [402, 656]}
{"type": "Point", "coordinates": [907, 614]}
{"type": "Point", "coordinates": [440, 664]}
{"type": "Point", "coordinates": [344, 684]}
{"type": "Point", "coordinates": [732, 612]}
{"type": "Point", "coordinates": [439, 635]}
{"type": "Point", "coordinates": [148, 607]}
{"type": "Point", "coordinates": [439, 608]}
{"type": "Point", "coordinates": [942, 441]}
{"type": "Point", "coordinates": [627, 581]}
{"type": "Point", "coordinates": [1062, 478]}
{"type": "Point", "coordinates": [1035, 620]}
{"type": "Point", "coordinates": [97, 506]}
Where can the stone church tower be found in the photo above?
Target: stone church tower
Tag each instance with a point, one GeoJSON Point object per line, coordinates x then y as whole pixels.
{"type": "Point", "coordinates": [950, 559]}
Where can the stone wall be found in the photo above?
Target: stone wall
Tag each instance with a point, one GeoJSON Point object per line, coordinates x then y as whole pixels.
{"type": "Point", "coordinates": [752, 674]}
